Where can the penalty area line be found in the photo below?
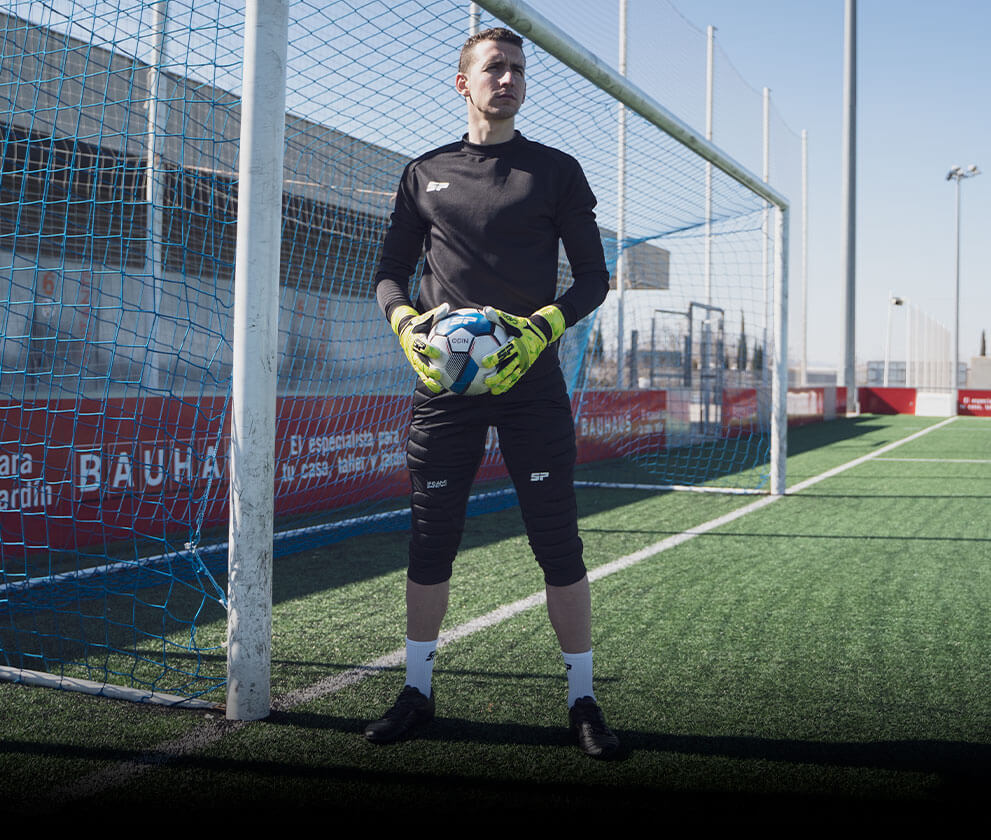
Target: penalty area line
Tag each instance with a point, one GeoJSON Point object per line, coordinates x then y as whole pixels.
{"type": "Point", "coordinates": [938, 460]}
{"type": "Point", "coordinates": [206, 735]}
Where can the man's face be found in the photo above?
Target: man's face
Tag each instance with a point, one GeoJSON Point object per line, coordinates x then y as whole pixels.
{"type": "Point", "coordinates": [495, 84]}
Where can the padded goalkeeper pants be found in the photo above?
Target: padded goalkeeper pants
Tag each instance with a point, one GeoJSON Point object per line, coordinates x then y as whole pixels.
{"type": "Point", "coordinates": [446, 445]}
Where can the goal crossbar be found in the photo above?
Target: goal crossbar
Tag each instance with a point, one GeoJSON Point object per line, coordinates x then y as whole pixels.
{"type": "Point", "coordinates": [527, 21]}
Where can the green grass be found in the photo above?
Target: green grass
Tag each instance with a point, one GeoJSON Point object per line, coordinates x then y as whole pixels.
{"type": "Point", "coordinates": [828, 652]}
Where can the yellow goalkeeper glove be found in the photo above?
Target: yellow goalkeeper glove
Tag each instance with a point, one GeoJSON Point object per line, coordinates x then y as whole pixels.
{"type": "Point", "coordinates": [528, 338]}
{"type": "Point", "coordinates": [413, 329]}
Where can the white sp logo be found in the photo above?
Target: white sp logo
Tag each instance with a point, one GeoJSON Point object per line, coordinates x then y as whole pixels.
{"type": "Point", "coordinates": [437, 186]}
{"type": "Point", "coordinates": [538, 476]}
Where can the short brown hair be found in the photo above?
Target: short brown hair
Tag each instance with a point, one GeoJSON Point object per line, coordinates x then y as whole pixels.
{"type": "Point", "coordinates": [497, 33]}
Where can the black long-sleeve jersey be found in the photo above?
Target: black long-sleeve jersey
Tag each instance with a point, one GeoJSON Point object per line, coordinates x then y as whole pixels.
{"type": "Point", "coordinates": [490, 219]}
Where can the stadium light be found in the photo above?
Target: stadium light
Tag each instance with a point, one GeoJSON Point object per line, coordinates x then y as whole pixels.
{"type": "Point", "coordinates": [958, 173]}
{"type": "Point", "coordinates": [893, 301]}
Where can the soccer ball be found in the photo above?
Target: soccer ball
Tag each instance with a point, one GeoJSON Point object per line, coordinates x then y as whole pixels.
{"type": "Point", "coordinates": [465, 337]}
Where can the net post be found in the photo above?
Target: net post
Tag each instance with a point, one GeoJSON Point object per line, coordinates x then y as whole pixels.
{"type": "Point", "coordinates": [804, 369]}
{"type": "Point", "coordinates": [849, 205]}
{"type": "Point", "coordinates": [542, 32]}
{"type": "Point", "coordinates": [766, 267]}
{"type": "Point", "coordinates": [256, 308]}
{"type": "Point", "coordinates": [779, 381]}
{"type": "Point", "coordinates": [621, 380]}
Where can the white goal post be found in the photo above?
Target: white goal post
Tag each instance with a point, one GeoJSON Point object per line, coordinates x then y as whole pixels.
{"type": "Point", "coordinates": [254, 374]}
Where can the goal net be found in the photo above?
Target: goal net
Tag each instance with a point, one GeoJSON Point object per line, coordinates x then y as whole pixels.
{"type": "Point", "coordinates": [118, 207]}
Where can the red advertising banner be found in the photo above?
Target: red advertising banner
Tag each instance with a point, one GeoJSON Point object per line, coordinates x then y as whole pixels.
{"type": "Point", "coordinates": [805, 405]}
{"type": "Point", "coordinates": [739, 412]}
{"type": "Point", "coordinates": [610, 424]}
{"type": "Point", "coordinates": [334, 452]}
{"type": "Point", "coordinates": [81, 472]}
{"type": "Point", "coordinates": [840, 400]}
{"type": "Point", "coordinates": [972, 403]}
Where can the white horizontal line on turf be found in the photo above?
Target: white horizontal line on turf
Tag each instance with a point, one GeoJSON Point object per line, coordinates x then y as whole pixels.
{"type": "Point", "coordinates": [688, 488]}
{"type": "Point", "coordinates": [941, 460]}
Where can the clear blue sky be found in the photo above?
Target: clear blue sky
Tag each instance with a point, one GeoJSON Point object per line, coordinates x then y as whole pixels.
{"type": "Point", "coordinates": [922, 106]}
{"type": "Point", "coordinates": [923, 76]}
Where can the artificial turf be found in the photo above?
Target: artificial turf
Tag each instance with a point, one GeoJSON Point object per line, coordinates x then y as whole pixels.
{"type": "Point", "coordinates": [827, 651]}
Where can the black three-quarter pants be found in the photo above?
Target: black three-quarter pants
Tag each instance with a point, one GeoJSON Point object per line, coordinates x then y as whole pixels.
{"type": "Point", "coordinates": [536, 431]}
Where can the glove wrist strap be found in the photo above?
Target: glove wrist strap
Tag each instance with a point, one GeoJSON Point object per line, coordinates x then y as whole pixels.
{"type": "Point", "coordinates": [401, 316]}
{"type": "Point", "coordinates": [550, 320]}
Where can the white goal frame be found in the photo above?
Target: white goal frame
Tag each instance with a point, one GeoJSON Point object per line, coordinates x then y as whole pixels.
{"type": "Point", "coordinates": [255, 371]}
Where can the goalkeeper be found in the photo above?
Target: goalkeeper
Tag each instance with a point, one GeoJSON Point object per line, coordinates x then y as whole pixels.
{"type": "Point", "coordinates": [490, 211]}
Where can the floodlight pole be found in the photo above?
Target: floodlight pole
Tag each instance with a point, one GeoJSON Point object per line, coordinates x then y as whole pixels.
{"type": "Point", "coordinates": [804, 371]}
{"type": "Point", "coordinates": [958, 173]}
{"type": "Point", "coordinates": [958, 177]}
{"type": "Point", "coordinates": [893, 301]}
{"type": "Point", "coordinates": [710, 81]}
{"type": "Point", "coordinates": [621, 207]}
{"type": "Point", "coordinates": [849, 203]}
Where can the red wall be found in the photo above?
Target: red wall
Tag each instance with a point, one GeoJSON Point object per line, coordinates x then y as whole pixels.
{"type": "Point", "coordinates": [970, 402]}
{"type": "Point", "coordinates": [886, 400]}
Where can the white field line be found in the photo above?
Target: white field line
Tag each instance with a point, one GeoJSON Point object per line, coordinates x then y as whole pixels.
{"type": "Point", "coordinates": [208, 734]}
{"type": "Point", "coordinates": [941, 460]}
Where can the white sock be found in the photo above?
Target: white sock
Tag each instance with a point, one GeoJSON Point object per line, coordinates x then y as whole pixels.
{"type": "Point", "coordinates": [579, 669]}
{"type": "Point", "coordinates": [420, 664]}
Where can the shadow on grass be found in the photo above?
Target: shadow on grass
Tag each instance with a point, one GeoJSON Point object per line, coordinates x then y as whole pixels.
{"type": "Point", "coordinates": [812, 436]}
{"type": "Point", "coordinates": [442, 768]}
{"type": "Point", "coordinates": [957, 759]}
{"type": "Point", "coordinates": [960, 760]}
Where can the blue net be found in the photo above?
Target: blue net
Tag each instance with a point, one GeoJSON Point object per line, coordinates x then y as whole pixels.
{"type": "Point", "coordinates": [118, 205]}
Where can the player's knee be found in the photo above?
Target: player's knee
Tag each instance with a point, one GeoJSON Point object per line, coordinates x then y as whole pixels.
{"type": "Point", "coordinates": [563, 569]}
{"type": "Point", "coordinates": [559, 555]}
{"type": "Point", "coordinates": [429, 571]}
{"type": "Point", "coordinates": [436, 536]}
{"type": "Point", "coordinates": [551, 520]}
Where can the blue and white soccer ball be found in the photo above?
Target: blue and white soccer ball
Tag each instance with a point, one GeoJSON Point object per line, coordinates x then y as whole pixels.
{"type": "Point", "coordinates": [465, 337]}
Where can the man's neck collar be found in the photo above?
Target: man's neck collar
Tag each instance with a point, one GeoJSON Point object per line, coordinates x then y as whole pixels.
{"type": "Point", "coordinates": [491, 134]}
{"type": "Point", "coordinates": [466, 139]}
